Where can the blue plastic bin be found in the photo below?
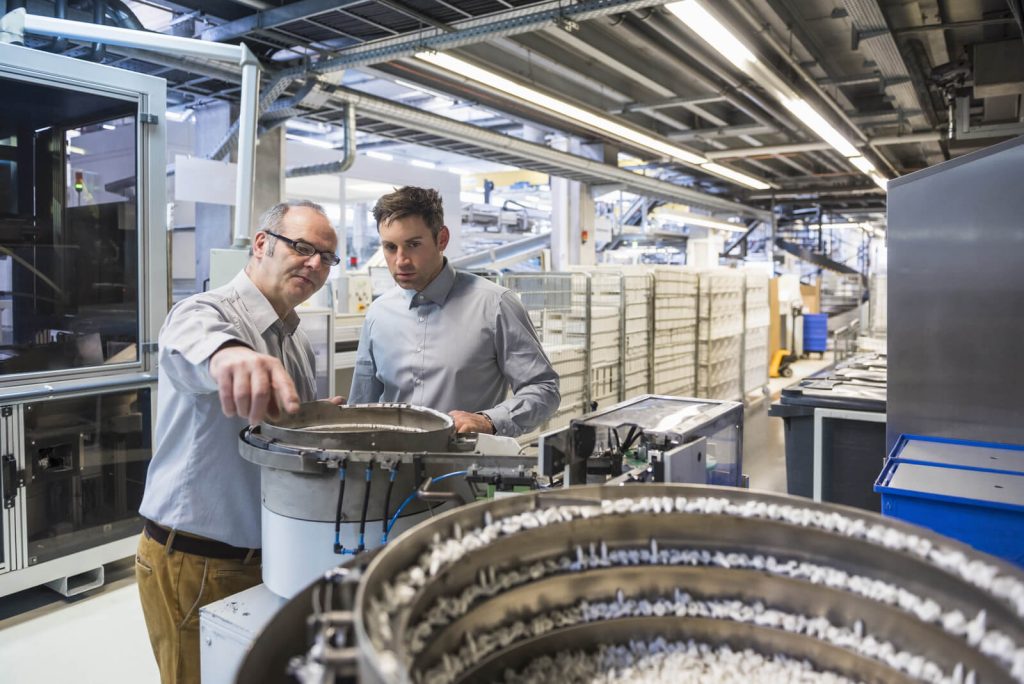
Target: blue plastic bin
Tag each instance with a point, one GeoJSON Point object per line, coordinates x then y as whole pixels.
{"type": "Point", "coordinates": [815, 332]}
{"type": "Point", "coordinates": [955, 494]}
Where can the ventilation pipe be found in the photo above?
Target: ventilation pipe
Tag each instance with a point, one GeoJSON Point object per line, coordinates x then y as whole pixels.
{"type": "Point", "coordinates": [348, 155]}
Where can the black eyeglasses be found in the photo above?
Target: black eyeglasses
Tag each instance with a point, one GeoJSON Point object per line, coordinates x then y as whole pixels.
{"type": "Point", "coordinates": [305, 249]}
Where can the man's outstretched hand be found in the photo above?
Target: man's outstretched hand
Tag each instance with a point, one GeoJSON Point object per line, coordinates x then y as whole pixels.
{"type": "Point", "coordinates": [471, 422]}
{"type": "Point", "coordinates": [252, 385]}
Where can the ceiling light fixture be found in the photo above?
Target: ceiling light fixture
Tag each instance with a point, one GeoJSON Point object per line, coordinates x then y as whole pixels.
{"type": "Point", "coordinates": [383, 156]}
{"type": "Point", "coordinates": [583, 116]}
{"type": "Point", "coordinates": [734, 175]}
{"type": "Point", "coordinates": [863, 165]}
{"type": "Point", "coordinates": [719, 37]}
{"type": "Point", "coordinates": [816, 122]}
{"type": "Point", "coordinates": [423, 164]}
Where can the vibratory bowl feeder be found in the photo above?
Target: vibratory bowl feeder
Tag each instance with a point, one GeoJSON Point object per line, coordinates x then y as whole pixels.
{"type": "Point", "coordinates": [654, 583]}
{"type": "Point", "coordinates": [337, 480]}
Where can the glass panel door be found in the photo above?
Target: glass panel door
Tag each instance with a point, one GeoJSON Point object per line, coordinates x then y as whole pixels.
{"type": "Point", "coordinates": [69, 252]}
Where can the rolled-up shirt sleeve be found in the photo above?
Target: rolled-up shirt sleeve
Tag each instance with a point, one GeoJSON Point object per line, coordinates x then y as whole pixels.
{"type": "Point", "coordinates": [534, 383]}
{"type": "Point", "coordinates": [366, 387]}
{"type": "Point", "coordinates": [193, 331]}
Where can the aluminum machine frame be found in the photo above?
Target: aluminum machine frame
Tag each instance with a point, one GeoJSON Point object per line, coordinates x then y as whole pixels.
{"type": "Point", "coordinates": [81, 426]}
{"type": "Point", "coordinates": [31, 456]}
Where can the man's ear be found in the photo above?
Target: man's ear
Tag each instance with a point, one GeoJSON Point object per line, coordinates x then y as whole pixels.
{"type": "Point", "coordinates": [259, 244]}
{"type": "Point", "coordinates": [442, 238]}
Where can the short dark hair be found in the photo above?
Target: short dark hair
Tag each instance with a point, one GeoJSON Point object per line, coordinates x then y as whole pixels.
{"type": "Point", "coordinates": [411, 201]}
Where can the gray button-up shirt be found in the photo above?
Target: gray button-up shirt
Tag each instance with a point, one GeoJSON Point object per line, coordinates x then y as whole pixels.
{"type": "Point", "coordinates": [457, 345]}
{"type": "Point", "coordinates": [197, 481]}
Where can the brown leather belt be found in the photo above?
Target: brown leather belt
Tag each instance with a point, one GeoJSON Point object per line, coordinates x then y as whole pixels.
{"type": "Point", "coordinates": [196, 546]}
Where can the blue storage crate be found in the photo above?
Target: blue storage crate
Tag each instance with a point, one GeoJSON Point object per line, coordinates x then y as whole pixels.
{"type": "Point", "coordinates": [955, 495]}
{"type": "Point", "coordinates": [960, 453]}
{"type": "Point", "coordinates": [815, 332]}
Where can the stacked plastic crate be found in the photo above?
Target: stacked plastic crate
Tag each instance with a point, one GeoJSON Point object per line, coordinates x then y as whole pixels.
{"type": "Point", "coordinates": [675, 331]}
{"type": "Point", "coordinates": [720, 345]}
{"type": "Point", "coordinates": [549, 300]}
{"type": "Point", "coordinates": [878, 309]}
{"type": "Point", "coordinates": [637, 312]}
{"type": "Point", "coordinates": [757, 318]}
{"type": "Point", "coordinates": [605, 340]}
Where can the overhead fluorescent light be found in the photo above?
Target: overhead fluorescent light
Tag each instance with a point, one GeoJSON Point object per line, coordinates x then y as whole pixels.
{"type": "Point", "coordinates": [379, 155]}
{"type": "Point", "coordinates": [712, 31]}
{"type": "Point", "coordinates": [109, 127]}
{"type": "Point", "coordinates": [552, 104]}
{"type": "Point", "coordinates": [724, 41]}
{"type": "Point", "coordinates": [75, 150]}
{"type": "Point", "coordinates": [816, 122]}
{"type": "Point", "coordinates": [423, 164]}
{"type": "Point", "coordinates": [313, 142]}
{"type": "Point", "coordinates": [880, 180]}
{"type": "Point", "coordinates": [72, 133]}
{"type": "Point", "coordinates": [179, 116]}
{"type": "Point", "coordinates": [459, 172]}
{"type": "Point", "coordinates": [863, 165]}
{"type": "Point", "coordinates": [731, 174]}
{"type": "Point", "coordinates": [703, 221]}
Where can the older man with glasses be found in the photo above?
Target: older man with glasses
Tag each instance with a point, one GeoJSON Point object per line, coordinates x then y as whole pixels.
{"type": "Point", "coordinates": [228, 358]}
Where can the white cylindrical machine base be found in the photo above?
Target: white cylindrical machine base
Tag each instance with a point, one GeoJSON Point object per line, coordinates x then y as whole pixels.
{"type": "Point", "coordinates": [296, 552]}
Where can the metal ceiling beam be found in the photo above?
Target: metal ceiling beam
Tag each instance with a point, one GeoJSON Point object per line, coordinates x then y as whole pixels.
{"type": "Point", "coordinates": [879, 44]}
{"type": "Point", "coordinates": [927, 137]}
{"type": "Point", "coordinates": [401, 8]}
{"type": "Point", "coordinates": [279, 16]}
{"type": "Point", "coordinates": [666, 103]}
{"type": "Point", "coordinates": [705, 134]}
{"type": "Point", "coordinates": [952, 26]}
{"type": "Point", "coordinates": [470, 31]}
{"type": "Point", "coordinates": [402, 115]}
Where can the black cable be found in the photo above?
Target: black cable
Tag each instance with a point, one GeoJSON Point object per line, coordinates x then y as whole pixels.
{"type": "Point", "coordinates": [387, 503]}
{"type": "Point", "coordinates": [338, 548]}
{"type": "Point", "coordinates": [366, 506]}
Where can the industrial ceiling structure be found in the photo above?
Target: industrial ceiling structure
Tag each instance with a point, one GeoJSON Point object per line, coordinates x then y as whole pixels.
{"type": "Point", "coordinates": [732, 107]}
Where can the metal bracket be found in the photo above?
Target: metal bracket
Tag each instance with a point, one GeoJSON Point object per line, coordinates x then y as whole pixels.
{"type": "Point", "coordinates": [148, 119]}
{"type": "Point", "coordinates": [12, 479]}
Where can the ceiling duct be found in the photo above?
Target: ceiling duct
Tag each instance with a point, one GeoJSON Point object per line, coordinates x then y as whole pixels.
{"type": "Point", "coordinates": [879, 45]}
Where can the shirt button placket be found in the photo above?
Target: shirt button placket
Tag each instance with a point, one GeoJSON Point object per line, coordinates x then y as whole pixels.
{"type": "Point", "coordinates": [419, 350]}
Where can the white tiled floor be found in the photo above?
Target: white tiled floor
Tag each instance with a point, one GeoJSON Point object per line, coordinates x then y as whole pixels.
{"type": "Point", "coordinates": [97, 639]}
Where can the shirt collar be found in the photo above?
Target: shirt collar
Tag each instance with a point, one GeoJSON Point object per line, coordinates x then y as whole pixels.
{"type": "Point", "coordinates": [259, 307]}
{"type": "Point", "coordinates": [438, 289]}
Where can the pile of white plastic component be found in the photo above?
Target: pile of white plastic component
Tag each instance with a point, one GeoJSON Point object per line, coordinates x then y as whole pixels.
{"type": "Point", "coordinates": [669, 662]}
{"type": "Point", "coordinates": [445, 552]}
{"type": "Point", "coordinates": [490, 583]}
{"type": "Point", "coordinates": [479, 646]}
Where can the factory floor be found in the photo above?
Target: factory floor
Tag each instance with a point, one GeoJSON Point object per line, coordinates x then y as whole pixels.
{"type": "Point", "coordinates": [100, 637]}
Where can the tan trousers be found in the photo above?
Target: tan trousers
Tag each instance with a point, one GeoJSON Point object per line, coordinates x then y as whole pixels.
{"type": "Point", "coordinates": [173, 586]}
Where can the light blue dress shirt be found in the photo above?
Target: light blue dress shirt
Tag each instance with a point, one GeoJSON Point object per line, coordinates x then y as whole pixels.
{"type": "Point", "coordinates": [460, 344]}
{"type": "Point", "coordinates": [197, 481]}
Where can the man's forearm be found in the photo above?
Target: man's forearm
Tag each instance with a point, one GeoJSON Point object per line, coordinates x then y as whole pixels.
{"type": "Point", "coordinates": [530, 406]}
